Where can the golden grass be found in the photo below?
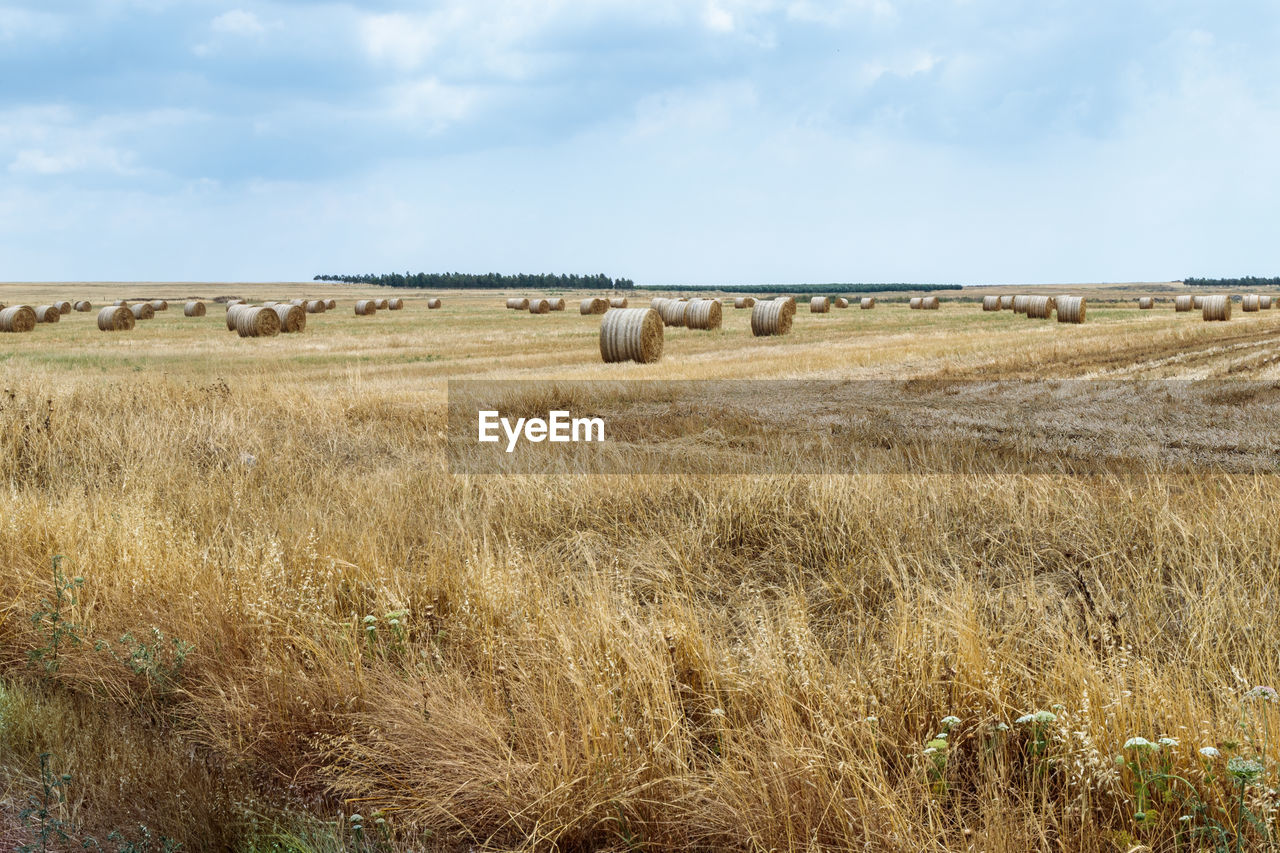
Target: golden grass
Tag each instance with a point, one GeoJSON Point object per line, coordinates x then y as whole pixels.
{"type": "Point", "coordinates": [602, 662]}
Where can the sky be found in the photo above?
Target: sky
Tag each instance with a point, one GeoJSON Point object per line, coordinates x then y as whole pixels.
{"type": "Point", "coordinates": [702, 142]}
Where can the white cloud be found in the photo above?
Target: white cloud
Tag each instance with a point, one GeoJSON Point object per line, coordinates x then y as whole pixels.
{"type": "Point", "coordinates": [432, 103]}
{"type": "Point", "coordinates": [238, 22]}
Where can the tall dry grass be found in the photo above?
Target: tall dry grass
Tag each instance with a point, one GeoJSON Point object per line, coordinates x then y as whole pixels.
{"type": "Point", "coordinates": [589, 662]}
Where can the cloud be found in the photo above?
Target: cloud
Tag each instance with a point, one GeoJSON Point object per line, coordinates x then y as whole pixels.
{"type": "Point", "coordinates": [238, 22]}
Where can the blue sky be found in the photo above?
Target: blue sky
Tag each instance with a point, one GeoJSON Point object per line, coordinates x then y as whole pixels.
{"type": "Point", "coordinates": [700, 142]}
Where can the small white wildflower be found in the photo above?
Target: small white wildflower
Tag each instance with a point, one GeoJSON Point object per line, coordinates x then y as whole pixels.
{"type": "Point", "coordinates": [1141, 743]}
{"type": "Point", "coordinates": [940, 736]}
{"type": "Point", "coordinates": [717, 712]}
{"type": "Point", "coordinates": [872, 720]}
{"type": "Point", "coordinates": [1210, 752]}
{"type": "Point", "coordinates": [1002, 727]}
{"type": "Point", "coordinates": [1168, 741]}
{"type": "Point", "coordinates": [1045, 717]}
{"type": "Point", "coordinates": [1186, 818]}
{"type": "Point", "coordinates": [950, 721]}
{"type": "Point", "coordinates": [930, 751]}
{"type": "Point", "coordinates": [1025, 718]}
{"type": "Point", "coordinates": [1262, 692]}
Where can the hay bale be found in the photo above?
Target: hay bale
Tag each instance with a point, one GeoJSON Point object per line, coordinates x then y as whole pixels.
{"type": "Point", "coordinates": [1040, 307]}
{"type": "Point", "coordinates": [380, 304]}
{"type": "Point", "coordinates": [1197, 302]}
{"type": "Point", "coordinates": [1071, 309]}
{"type": "Point", "coordinates": [703, 314]}
{"type": "Point", "coordinates": [232, 310]}
{"type": "Point", "coordinates": [841, 302]}
{"type": "Point", "coordinates": [260, 322]}
{"type": "Point", "coordinates": [631, 334]}
{"type": "Point", "coordinates": [929, 303]}
{"type": "Point", "coordinates": [1146, 303]}
{"type": "Point", "coordinates": [1182, 302]}
{"type": "Point", "coordinates": [772, 318]}
{"type": "Point", "coordinates": [396, 304]}
{"type": "Point", "coordinates": [594, 305]}
{"type": "Point", "coordinates": [520, 304]}
{"type": "Point", "coordinates": [557, 304]}
{"type": "Point", "coordinates": [819, 305]}
{"type": "Point", "coordinates": [48, 314]}
{"type": "Point", "coordinates": [618, 302]}
{"type": "Point", "coordinates": [1006, 303]}
{"type": "Point", "coordinates": [121, 303]}
{"type": "Point", "coordinates": [1020, 304]}
{"type": "Point", "coordinates": [330, 304]}
{"type": "Point", "coordinates": [115, 318]}
{"type": "Point", "coordinates": [1216, 307]}
{"type": "Point", "coordinates": [744, 302]}
{"type": "Point", "coordinates": [866, 303]}
{"type": "Point", "coordinates": [18, 318]}
{"type": "Point", "coordinates": [293, 318]}
{"type": "Point", "coordinates": [194, 308]}
{"type": "Point", "coordinates": [915, 303]}
{"type": "Point", "coordinates": [366, 307]}
{"type": "Point", "coordinates": [143, 311]}
{"type": "Point", "coordinates": [434, 303]}
{"type": "Point", "coordinates": [159, 305]}
{"type": "Point", "coordinates": [672, 311]}
{"type": "Point", "coordinates": [63, 307]}
{"type": "Point", "coordinates": [539, 306]}
{"type": "Point", "coordinates": [1264, 302]}
{"type": "Point", "coordinates": [1249, 303]}
{"type": "Point", "coordinates": [316, 306]}
{"type": "Point", "coordinates": [301, 303]}
{"type": "Point", "coordinates": [991, 303]}
{"type": "Point", "coordinates": [83, 306]}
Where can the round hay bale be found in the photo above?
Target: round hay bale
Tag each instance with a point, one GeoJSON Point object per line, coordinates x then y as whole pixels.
{"type": "Point", "coordinates": [396, 304]}
{"type": "Point", "coordinates": [772, 317]}
{"type": "Point", "coordinates": [159, 305]}
{"type": "Point", "coordinates": [557, 304]}
{"type": "Point", "coordinates": [316, 306]}
{"type": "Point", "coordinates": [115, 318]}
{"type": "Point", "coordinates": [301, 303]}
{"type": "Point", "coordinates": [1020, 304]}
{"type": "Point", "coordinates": [48, 314]}
{"type": "Point", "coordinates": [915, 303]}
{"type": "Point", "coordinates": [83, 306]}
{"type": "Point", "coordinates": [618, 302]}
{"type": "Point", "coordinates": [744, 302]}
{"type": "Point", "coordinates": [1216, 307]}
{"type": "Point", "coordinates": [841, 302]}
{"type": "Point", "coordinates": [63, 307]}
{"type": "Point", "coordinates": [1146, 303]}
{"type": "Point", "coordinates": [194, 308]}
{"type": "Point", "coordinates": [260, 322]}
{"type": "Point", "coordinates": [293, 318]}
{"type": "Point", "coordinates": [595, 305]}
{"type": "Point", "coordinates": [1006, 303]}
{"type": "Point", "coordinates": [631, 334]}
{"type": "Point", "coordinates": [124, 303]}
{"type": "Point", "coordinates": [819, 305]}
{"type": "Point", "coordinates": [380, 304]}
{"type": "Point", "coordinates": [1197, 302]}
{"type": "Point", "coordinates": [520, 304]}
{"type": "Point", "coordinates": [366, 307]}
{"type": "Point", "coordinates": [434, 303]}
{"type": "Point", "coordinates": [1040, 307]}
{"type": "Point", "coordinates": [539, 306]}
{"type": "Point", "coordinates": [866, 303]}
{"type": "Point", "coordinates": [1264, 302]}
{"type": "Point", "coordinates": [232, 310]}
{"type": "Point", "coordinates": [1249, 303]}
{"type": "Point", "coordinates": [991, 303]}
{"type": "Point", "coordinates": [929, 303]}
{"type": "Point", "coordinates": [330, 304]}
{"type": "Point", "coordinates": [1182, 302]}
{"type": "Point", "coordinates": [672, 311]}
{"type": "Point", "coordinates": [703, 314]}
{"type": "Point", "coordinates": [143, 311]}
{"type": "Point", "coordinates": [18, 318]}
{"type": "Point", "coordinates": [1071, 309]}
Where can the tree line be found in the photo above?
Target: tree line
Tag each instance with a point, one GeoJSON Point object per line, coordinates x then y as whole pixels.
{"type": "Point", "coordinates": [1232, 283]}
{"type": "Point", "coordinates": [486, 281]}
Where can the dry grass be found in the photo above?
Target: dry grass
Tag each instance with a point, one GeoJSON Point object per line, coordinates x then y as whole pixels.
{"type": "Point", "coordinates": [600, 662]}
